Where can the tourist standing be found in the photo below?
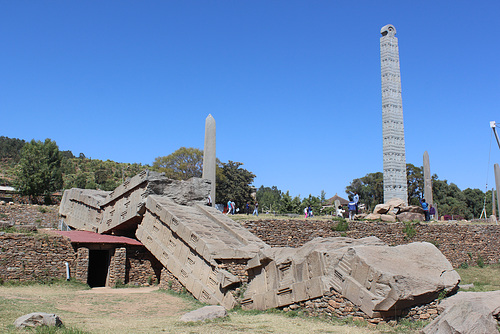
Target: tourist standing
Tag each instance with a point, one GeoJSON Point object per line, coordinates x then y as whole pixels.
{"type": "Point", "coordinates": [432, 211]}
{"type": "Point", "coordinates": [256, 209]}
{"type": "Point", "coordinates": [425, 207]}
{"type": "Point", "coordinates": [306, 212]}
{"type": "Point", "coordinates": [247, 208]}
{"type": "Point", "coordinates": [228, 207]}
{"type": "Point", "coordinates": [352, 209]}
{"type": "Point", "coordinates": [233, 207]}
{"type": "Point", "coordinates": [356, 200]}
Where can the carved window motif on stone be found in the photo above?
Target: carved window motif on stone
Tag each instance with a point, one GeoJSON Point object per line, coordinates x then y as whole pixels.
{"type": "Point", "coordinates": [190, 260]}
{"type": "Point", "coordinates": [184, 274]}
{"type": "Point", "coordinates": [194, 238]}
{"type": "Point", "coordinates": [174, 221]}
{"type": "Point", "coordinates": [285, 272]}
{"type": "Point", "coordinates": [205, 295]}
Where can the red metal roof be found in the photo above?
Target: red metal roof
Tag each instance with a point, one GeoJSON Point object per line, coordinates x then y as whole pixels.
{"type": "Point", "coordinates": [96, 238]}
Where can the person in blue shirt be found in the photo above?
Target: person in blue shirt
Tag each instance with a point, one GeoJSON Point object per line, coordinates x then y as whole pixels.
{"type": "Point", "coordinates": [425, 207]}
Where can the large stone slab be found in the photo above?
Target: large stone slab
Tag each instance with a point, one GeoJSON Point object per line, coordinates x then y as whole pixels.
{"type": "Point", "coordinates": [81, 208]}
{"type": "Point", "coordinates": [379, 279]}
{"type": "Point", "coordinates": [467, 312]}
{"type": "Point", "coordinates": [190, 240]}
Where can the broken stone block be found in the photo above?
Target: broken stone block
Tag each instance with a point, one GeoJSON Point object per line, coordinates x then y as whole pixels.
{"type": "Point", "coordinates": [80, 208]}
{"type": "Point", "coordinates": [379, 279]}
{"type": "Point", "coordinates": [467, 312]}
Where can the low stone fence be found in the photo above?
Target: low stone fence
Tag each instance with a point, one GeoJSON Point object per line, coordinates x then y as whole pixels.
{"type": "Point", "coordinates": [460, 243]}
{"type": "Point", "coordinates": [35, 258]}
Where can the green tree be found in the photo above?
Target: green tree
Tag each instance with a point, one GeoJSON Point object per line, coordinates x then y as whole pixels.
{"type": "Point", "coordinates": [11, 148]}
{"type": "Point", "coordinates": [183, 164]}
{"type": "Point", "coordinates": [234, 183]}
{"type": "Point", "coordinates": [369, 188]}
{"type": "Point", "coordinates": [39, 170]}
{"type": "Point", "coordinates": [415, 183]}
{"type": "Point", "coordinates": [269, 198]}
{"type": "Point", "coordinates": [474, 199]}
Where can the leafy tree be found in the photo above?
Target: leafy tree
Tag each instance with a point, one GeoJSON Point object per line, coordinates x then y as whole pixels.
{"type": "Point", "coordinates": [10, 148]}
{"type": "Point", "coordinates": [269, 198]}
{"type": "Point", "coordinates": [183, 164]}
{"type": "Point", "coordinates": [415, 183]}
{"type": "Point", "coordinates": [234, 183]}
{"type": "Point", "coordinates": [314, 202]}
{"type": "Point", "coordinates": [369, 188]}
{"type": "Point", "coordinates": [39, 170]}
{"type": "Point", "coordinates": [474, 199]}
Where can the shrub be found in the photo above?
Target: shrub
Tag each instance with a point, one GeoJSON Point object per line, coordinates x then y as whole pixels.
{"type": "Point", "coordinates": [341, 226]}
{"type": "Point", "coordinates": [409, 230]}
{"type": "Point", "coordinates": [480, 261]}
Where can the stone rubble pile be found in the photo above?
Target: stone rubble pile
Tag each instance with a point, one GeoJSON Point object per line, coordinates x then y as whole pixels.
{"type": "Point", "coordinates": [200, 246]}
{"type": "Point", "coordinates": [394, 210]}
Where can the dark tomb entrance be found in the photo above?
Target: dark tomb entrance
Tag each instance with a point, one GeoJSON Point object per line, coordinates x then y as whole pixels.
{"type": "Point", "coordinates": [98, 268]}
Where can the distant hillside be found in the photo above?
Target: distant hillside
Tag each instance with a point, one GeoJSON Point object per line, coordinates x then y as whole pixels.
{"type": "Point", "coordinates": [78, 172]}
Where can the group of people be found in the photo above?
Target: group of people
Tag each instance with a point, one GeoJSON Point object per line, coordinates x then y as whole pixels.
{"type": "Point", "coordinates": [232, 209]}
{"type": "Point", "coordinates": [429, 210]}
{"type": "Point", "coordinates": [353, 206]}
{"type": "Point", "coordinates": [308, 211]}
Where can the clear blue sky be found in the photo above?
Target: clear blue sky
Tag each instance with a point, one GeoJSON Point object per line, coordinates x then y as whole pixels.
{"type": "Point", "coordinates": [294, 86]}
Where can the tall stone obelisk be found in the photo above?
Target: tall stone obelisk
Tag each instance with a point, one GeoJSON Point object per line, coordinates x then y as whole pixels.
{"type": "Point", "coordinates": [427, 179]}
{"type": "Point", "coordinates": [209, 159]}
{"type": "Point", "coordinates": [497, 182]}
{"type": "Point", "coordinates": [395, 185]}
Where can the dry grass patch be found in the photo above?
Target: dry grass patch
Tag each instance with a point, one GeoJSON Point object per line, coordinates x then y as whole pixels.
{"type": "Point", "coordinates": [141, 310]}
{"type": "Point", "coordinates": [484, 279]}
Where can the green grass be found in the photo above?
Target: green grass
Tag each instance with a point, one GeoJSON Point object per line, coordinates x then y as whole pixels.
{"type": "Point", "coordinates": [486, 278]}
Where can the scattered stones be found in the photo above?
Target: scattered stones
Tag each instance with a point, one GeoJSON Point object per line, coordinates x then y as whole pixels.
{"type": "Point", "coordinates": [205, 313]}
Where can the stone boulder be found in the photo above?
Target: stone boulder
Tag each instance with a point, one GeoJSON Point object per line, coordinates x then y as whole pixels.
{"type": "Point", "coordinates": [205, 313]}
{"type": "Point", "coordinates": [372, 216]}
{"type": "Point", "coordinates": [411, 208]}
{"type": "Point", "coordinates": [410, 216]}
{"type": "Point", "coordinates": [467, 312]}
{"type": "Point", "coordinates": [382, 208]}
{"type": "Point", "coordinates": [395, 202]}
{"type": "Point", "coordinates": [388, 218]}
{"type": "Point", "coordinates": [38, 319]}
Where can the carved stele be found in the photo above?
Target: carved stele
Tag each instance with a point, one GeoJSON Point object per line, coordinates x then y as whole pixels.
{"type": "Point", "coordinates": [209, 160]}
{"type": "Point", "coordinates": [497, 181]}
{"type": "Point", "coordinates": [392, 118]}
{"type": "Point", "coordinates": [427, 179]}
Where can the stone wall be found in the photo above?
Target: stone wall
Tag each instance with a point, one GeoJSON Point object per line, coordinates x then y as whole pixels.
{"type": "Point", "coordinates": [82, 264]}
{"type": "Point", "coordinates": [35, 257]}
{"type": "Point", "coordinates": [460, 243]}
{"type": "Point", "coordinates": [117, 266]}
{"type": "Point", "coordinates": [142, 267]}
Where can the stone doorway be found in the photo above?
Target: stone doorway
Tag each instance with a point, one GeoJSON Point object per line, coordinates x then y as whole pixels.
{"type": "Point", "coordinates": [98, 268]}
